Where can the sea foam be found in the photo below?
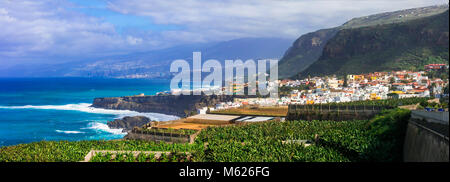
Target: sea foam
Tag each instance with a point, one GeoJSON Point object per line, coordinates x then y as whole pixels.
{"type": "Point", "coordinates": [104, 127]}
{"type": "Point", "coordinates": [69, 132]}
{"type": "Point", "coordinates": [98, 126]}
{"type": "Point", "coordinates": [85, 107]}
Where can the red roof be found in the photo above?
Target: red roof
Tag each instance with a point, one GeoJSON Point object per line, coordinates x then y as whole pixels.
{"type": "Point", "coordinates": [419, 90]}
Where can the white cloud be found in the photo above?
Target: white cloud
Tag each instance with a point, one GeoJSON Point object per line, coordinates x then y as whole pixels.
{"type": "Point", "coordinates": [44, 29]}
{"type": "Point", "coordinates": [133, 40]}
{"type": "Point", "coordinates": [217, 20]}
{"type": "Point", "coordinates": [51, 28]}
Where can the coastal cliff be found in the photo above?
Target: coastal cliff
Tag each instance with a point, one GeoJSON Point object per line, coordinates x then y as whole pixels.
{"type": "Point", "coordinates": [178, 105]}
{"type": "Point", "coordinates": [404, 39]}
{"type": "Point", "coordinates": [408, 45]}
{"type": "Point", "coordinates": [304, 51]}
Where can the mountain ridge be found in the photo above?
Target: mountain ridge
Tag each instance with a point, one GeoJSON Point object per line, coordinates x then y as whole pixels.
{"type": "Point", "coordinates": [299, 56]}
{"type": "Point", "coordinates": [156, 64]}
{"type": "Point", "coordinates": [406, 45]}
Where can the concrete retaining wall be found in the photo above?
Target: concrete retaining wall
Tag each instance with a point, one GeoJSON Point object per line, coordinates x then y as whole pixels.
{"type": "Point", "coordinates": [424, 145]}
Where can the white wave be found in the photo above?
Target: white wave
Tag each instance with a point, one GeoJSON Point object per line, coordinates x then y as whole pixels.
{"type": "Point", "coordinates": [104, 127]}
{"type": "Point", "coordinates": [68, 132]}
{"type": "Point", "coordinates": [96, 125]}
{"type": "Point", "coordinates": [85, 107]}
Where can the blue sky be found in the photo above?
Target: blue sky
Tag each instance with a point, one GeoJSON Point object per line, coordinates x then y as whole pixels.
{"type": "Point", "coordinates": [54, 31]}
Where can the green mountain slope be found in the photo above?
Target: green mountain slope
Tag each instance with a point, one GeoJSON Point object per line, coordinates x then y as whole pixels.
{"type": "Point", "coordinates": [405, 45]}
{"type": "Point", "coordinates": [305, 50]}
{"type": "Point", "coordinates": [309, 47]}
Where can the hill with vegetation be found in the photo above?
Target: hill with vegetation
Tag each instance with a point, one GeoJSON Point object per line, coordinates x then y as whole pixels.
{"type": "Point", "coordinates": [408, 45]}
{"type": "Point", "coordinates": [395, 16]}
{"type": "Point", "coordinates": [307, 49]}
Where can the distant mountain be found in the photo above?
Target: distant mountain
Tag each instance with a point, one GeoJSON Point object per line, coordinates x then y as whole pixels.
{"type": "Point", "coordinates": [309, 47]}
{"type": "Point", "coordinates": [248, 48]}
{"type": "Point", "coordinates": [156, 64]}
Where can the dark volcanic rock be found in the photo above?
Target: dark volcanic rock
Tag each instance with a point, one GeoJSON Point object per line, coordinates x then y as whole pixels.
{"type": "Point", "coordinates": [178, 105]}
{"type": "Point", "coordinates": [128, 123]}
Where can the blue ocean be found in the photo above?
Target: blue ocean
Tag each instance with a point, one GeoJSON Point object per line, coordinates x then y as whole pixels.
{"type": "Point", "coordinates": [36, 109]}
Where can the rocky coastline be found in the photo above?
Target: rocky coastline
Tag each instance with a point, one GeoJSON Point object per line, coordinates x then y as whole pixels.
{"type": "Point", "coordinates": [178, 105]}
{"type": "Point", "coordinates": [127, 123]}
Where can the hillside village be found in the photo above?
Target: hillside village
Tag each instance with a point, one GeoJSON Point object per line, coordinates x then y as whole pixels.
{"type": "Point", "coordinates": [370, 86]}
